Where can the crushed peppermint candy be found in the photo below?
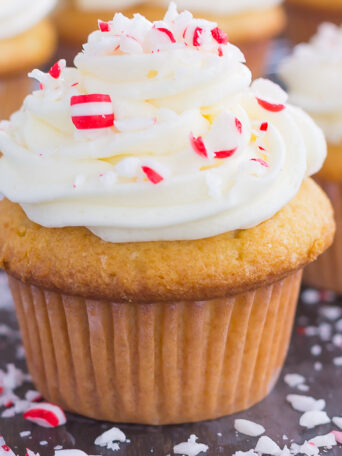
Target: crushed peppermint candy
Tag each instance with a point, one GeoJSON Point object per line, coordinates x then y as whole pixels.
{"type": "Point", "coordinates": [327, 440]}
{"type": "Point", "coordinates": [92, 111]}
{"type": "Point", "coordinates": [248, 427]}
{"type": "Point", "coordinates": [294, 380]}
{"type": "Point", "coordinates": [46, 415]}
{"type": "Point", "coordinates": [266, 445]}
{"type": "Point", "coordinates": [338, 421]}
{"type": "Point", "coordinates": [110, 439]}
{"type": "Point", "coordinates": [191, 447]}
{"type": "Point", "coordinates": [314, 418]}
{"type": "Point", "coordinates": [305, 403]}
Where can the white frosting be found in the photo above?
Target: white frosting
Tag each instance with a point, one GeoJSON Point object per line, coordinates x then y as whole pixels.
{"type": "Point", "coordinates": [98, 5]}
{"type": "Point", "coordinates": [313, 74]}
{"type": "Point", "coordinates": [221, 6]}
{"type": "Point", "coordinates": [17, 16]}
{"type": "Point", "coordinates": [162, 102]}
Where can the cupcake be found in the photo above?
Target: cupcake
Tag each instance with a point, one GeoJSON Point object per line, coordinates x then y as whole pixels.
{"type": "Point", "coordinates": [75, 19]}
{"type": "Point", "coordinates": [27, 39]}
{"type": "Point", "coordinates": [313, 75]}
{"type": "Point", "coordinates": [304, 17]}
{"type": "Point", "coordinates": [157, 218]}
{"type": "Point", "coordinates": [250, 24]}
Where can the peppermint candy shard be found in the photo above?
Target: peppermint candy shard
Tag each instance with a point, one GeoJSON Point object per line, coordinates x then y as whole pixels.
{"type": "Point", "coordinates": [167, 32]}
{"type": "Point", "coordinates": [152, 175]}
{"type": "Point", "coordinates": [263, 126]}
{"type": "Point", "coordinates": [104, 26]}
{"type": "Point", "coordinates": [238, 125]}
{"type": "Point", "coordinates": [56, 69]}
{"type": "Point", "coordinates": [92, 111]}
{"type": "Point", "coordinates": [198, 146]}
{"type": "Point", "coordinates": [46, 415]}
{"type": "Point", "coordinates": [225, 153]}
{"type": "Point", "coordinates": [197, 35]}
{"type": "Point", "coordinates": [272, 107]}
{"type": "Point", "coordinates": [219, 35]}
{"type": "Point", "coordinates": [261, 161]}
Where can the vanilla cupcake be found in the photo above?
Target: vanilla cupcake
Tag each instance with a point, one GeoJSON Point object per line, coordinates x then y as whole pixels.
{"type": "Point", "coordinates": [250, 24]}
{"type": "Point", "coordinates": [304, 17]}
{"type": "Point", "coordinates": [159, 213]}
{"type": "Point", "coordinates": [75, 19]}
{"type": "Point", "coordinates": [27, 39]}
{"type": "Point", "coordinates": [313, 75]}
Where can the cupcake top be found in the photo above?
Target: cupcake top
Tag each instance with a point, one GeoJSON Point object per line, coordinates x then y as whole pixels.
{"type": "Point", "coordinates": [156, 134]}
{"type": "Point", "coordinates": [222, 6]}
{"type": "Point", "coordinates": [313, 75]}
{"type": "Point", "coordinates": [17, 16]}
{"type": "Point", "coordinates": [111, 5]}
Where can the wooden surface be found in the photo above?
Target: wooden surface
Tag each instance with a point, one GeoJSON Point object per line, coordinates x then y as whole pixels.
{"type": "Point", "coordinates": [274, 413]}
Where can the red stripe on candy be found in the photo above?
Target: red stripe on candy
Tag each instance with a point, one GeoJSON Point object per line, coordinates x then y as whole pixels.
{"type": "Point", "coordinates": [167, 32]}
{"type": "Point", "coordinates": [79, 99]}
{"type": "Point", "coordinates": [225, 153]}
{"type": "Point", "coordinates": [89, 122]}
{"type": "Point", "coordinates": [262, 162]}
{"type": "Point", "coordinates": [264, 126]}
{"type": "Point", "coordinates": [6, 448]}
{"type": "Point", "coordinates": [197, 34]}
{"type": "Point", "coordinates": [272, 107]}
{"type": "Point", "coordinates": [152, 175]}
{"type": "Point", "coordinates": [104, 26]}
{"type": "Point", "coordinates": [55, 70]}
{"type": "Point", "coordinates": [198, 146]}
{"type": "Point", "coordinates": [43, 414]}
{"type": "Point", "coordinates": [238, 125]}
{"type": "Point", "coordinates": [219, 35]}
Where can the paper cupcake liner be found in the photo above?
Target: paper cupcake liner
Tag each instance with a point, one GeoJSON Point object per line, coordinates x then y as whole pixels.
{"type": "Point", "coordinates": [304, 21]}
{"type": "Point", "coordinates": [326, 272]}
{"type": "Point", "coordinates": [157, 363]}
{"type": "Point", "coordinates": [256, 54]}
{"type": "Point", "coordinates": [13, 90]}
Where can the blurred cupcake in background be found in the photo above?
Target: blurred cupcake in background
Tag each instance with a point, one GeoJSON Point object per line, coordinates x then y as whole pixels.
{"type": "Point", "coordinates": [313, 75]}
{"type": "Point", "coordinates": [75, 19]}
{"type": "Point", "coordinates": [249, 24]}
{"type": "Point", "coordinates": [304, 17]}
{"type": "Point", "coordinates": [27, 39]}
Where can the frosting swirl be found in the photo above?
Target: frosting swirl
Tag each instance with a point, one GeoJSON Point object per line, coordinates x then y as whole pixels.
{"type": "Point", "coordinates": [156, 135]}
{"type": "Point", "coordinates": [17, 16]}
{"type": "Point", "coordinates": [313, 75]}
{"type": "Point", "coordinates": [222, 6]}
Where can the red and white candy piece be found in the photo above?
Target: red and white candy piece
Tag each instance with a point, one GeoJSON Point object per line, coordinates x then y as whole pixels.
{"type": "Point", "coordinates": [166, 32]}
{"type": "Point", "coordinates": [198, 145]}
{"type": "Point", "coordinates": [33, 396]}
{"type": "Point", "coordinates": [92, 111]}
{"type": "Point", "coordinates": [46, 415]}
{"type": "Point", "coordinates": [261, 162]}
{"type": "Point", "coordinates": [56, 69]}
{"type": "Point", "coordinates": [268, 95]}
{"type": "Point", "coordinates": [152, 175]}
{"type": "Point", "coordinates": [104, 26]}
{"type": "Point", "coordinates": [219, 35]}
{"type": "Point", "coordinates": [5, 450]}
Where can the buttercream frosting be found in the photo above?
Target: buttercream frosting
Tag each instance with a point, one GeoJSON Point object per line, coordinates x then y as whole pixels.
{"type": "Point", "coordinates": [156, 134]}
{"type": "Point", "coordinates": [17, 16]}
{"type": "Point", "coordinates": [111, 5]}
{"type": "Point", "coordinates": [222, 6]}
{"type": "Point", "coordinates": [313, 75]}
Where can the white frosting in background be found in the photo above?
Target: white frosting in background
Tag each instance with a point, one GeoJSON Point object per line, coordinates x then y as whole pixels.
{"type": "Point", "coordinates": [165, 93]}
{"type": "Point", "coordinates": [221, 6]}
{"type": "Point", "coordinates": [17, 16]}
{"type": "Point", "coordinates": [98, 5]}
{"type": "Point", "coordinates": [313, 75]}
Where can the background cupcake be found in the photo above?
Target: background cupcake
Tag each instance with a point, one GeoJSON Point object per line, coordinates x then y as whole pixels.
{"type": "Point", "coordinates": [27, 39]}
{"type": "Point", "coordinates": [165, 208]}
{"type": "Point", "coordinates": [304, 17]}
{"type": "Point", "coordinates": [250, 24]}
{"type": "Point", "coordinates": [313, 75]}
{"type": "Point", "coordinates": [75, 19]}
